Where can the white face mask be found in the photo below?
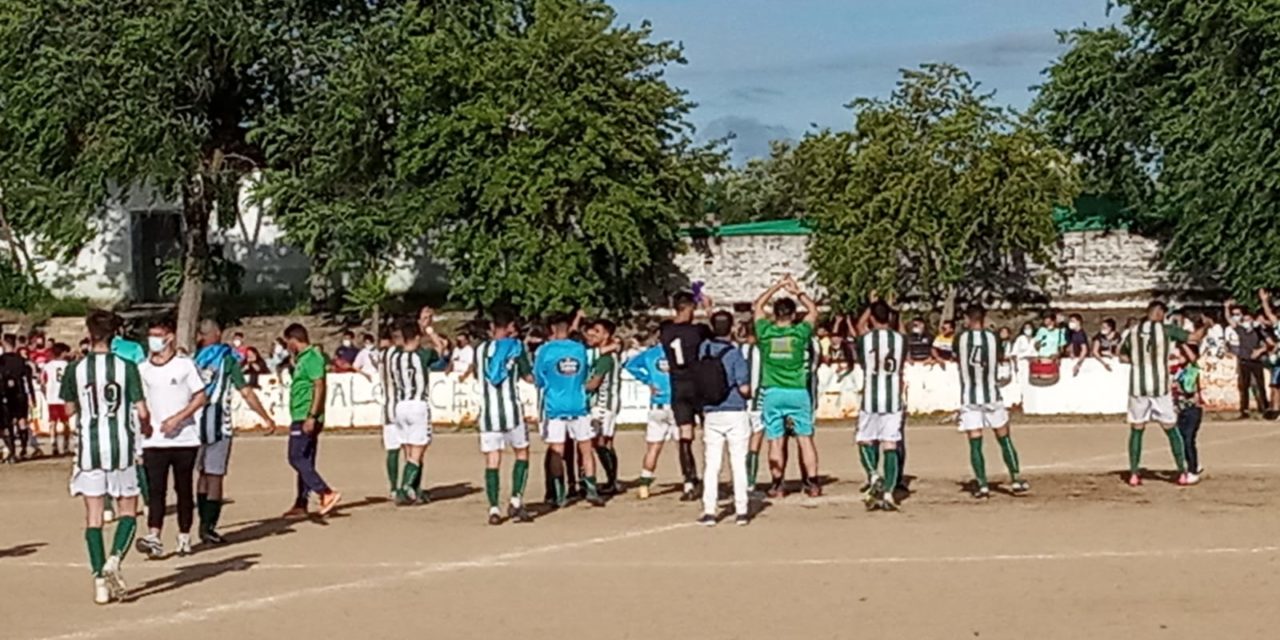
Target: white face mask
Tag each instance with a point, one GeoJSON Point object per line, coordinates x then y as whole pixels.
{"type": "Point", "coordinates": [1075, 326]}
{"type": "Point", "coordinates": [1236, 319]}
{"type": "Point", "coordinates": [280, 350]}
{"type": "Point", "coordinates": [1028, 332]}
{"type": "Point", "coordinates": [156, 344]}
{"type": "Point", "coordinates": [1248, 324]}
{"type": "Point", "coordinates": [346, 343]}
{"type": "Point", "coordinates": [237, 342]}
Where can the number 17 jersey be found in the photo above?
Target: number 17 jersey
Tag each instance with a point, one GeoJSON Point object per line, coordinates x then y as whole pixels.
{"type": "Point", "coordinates": [881, 352]}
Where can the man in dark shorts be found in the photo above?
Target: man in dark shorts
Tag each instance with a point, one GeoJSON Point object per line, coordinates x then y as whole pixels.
{"type": "Point", "coordinates": [15, 396]}
{"type": "Point", "coordinates": [681, 340]}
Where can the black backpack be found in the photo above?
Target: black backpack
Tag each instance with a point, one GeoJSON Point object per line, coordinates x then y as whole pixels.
{"type": "Point", "coordinates": [711, 378]}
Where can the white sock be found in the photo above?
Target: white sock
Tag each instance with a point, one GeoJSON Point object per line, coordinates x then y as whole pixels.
{"type": "Point", "coordinates": [515, 502]}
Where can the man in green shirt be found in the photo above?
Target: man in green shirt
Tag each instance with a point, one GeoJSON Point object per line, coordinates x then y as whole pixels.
{"type": "Point", "coordinates": [784, 379]}
{"type": "Point", "coordinates": [306, 410]}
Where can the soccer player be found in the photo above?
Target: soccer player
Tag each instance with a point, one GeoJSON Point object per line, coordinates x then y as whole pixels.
{"type": "Point", "coordinates": [882, 352]}
{"type": "Point", "coordinates": [103, 395]}
{"type": "Point", "coordinates": [502, 362]}
{"type": "Point", "coordinates": [16, 393]}
{"type": "Point", "coordinates": [681, 339]}
{"type": "Point", "coordinates": [783, 342]}
{"type": "Point", "coordinates": [408, 366]}
{"type": "Point", "coordinates": [307, 394]}
{"type": "Point", "coordinates": [51, 381]}
{"type": "Point", "coordinates": [560, 371]}
{"type": "Point", "coordinates": [174, 394]}
{"type": "Point", "coordinates": [751, 353]}
{"type": "Point", "coordinates": [390, 435]}
{"type": "Point", "coordinates": [220, 372]}
{"type": "Point", "coordinates": [605, 387]}
{"type": "Point", "coordinates": [978, 353]}
{"type": "Point", "coordinates": [650, 368]}
{"type": "Point", "coordinates": [726, 422]}
{"type": "Point", "coordinates": [123, 347]}
{"type": "Point", "coordinates": [1147, 349]}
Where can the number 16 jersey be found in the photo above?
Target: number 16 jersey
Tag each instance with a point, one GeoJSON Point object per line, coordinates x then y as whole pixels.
{"type": "Point", "coordinates": [881, 352]}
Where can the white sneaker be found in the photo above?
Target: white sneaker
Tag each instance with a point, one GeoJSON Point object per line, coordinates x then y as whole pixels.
{"type": "Point", "coordinates": [108, 515]}
{"type": "Point", "coordinates": [115, 580]}
{"type": "Point", "coordinates": [184, 544]}
{"type": "Point", "coordinates": [150, 546]}
{"type": "Point", "coordinates": [1193, 478]}
{"type": "Point", "coordinates": [101, 594]}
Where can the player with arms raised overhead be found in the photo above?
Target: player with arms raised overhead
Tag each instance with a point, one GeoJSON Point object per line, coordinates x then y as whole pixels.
{"type": "Point", "coordinates": [785, 379]}
{"type": "Point", "coordinates": [978, 353]}
{"type": "Point", "coordinates": [1146, 348]}
{"type": "Point", "coordinates": [408, 365]}
{"type": "Point", "coordinates": [882, 352]}
{"type": "Point", "coordinates": [501, 362]}
{"type": "Point", "coordinates": [103, 395]}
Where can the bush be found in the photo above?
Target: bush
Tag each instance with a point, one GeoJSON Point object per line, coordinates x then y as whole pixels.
{"type": "Point", "coordinates": [19, 291]}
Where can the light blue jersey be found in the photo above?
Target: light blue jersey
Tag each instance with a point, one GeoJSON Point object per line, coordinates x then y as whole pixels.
{"type": "Point", "coordinates": [560, 371]}
{"type": "Point", "coordinates": [650, 367]}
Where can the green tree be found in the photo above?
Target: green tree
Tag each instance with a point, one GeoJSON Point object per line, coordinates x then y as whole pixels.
{"type": "Point", "coordinates": [104, 97]}
{"type": "Point", "coordinates": [544, 145]}
{"type": "Point", "coordinates": [936, 193]}
{"type": "Point", "coordinates": [1175, 113]}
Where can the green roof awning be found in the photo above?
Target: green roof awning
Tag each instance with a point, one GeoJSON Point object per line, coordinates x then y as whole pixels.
{"type": "Point", "coordinates": [763, 228]}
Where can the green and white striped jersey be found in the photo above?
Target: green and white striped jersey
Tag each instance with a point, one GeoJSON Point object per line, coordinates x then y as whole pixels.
{"type": "Point", "coordinates": [813, 360]}
{"type": "Point", "coordinates": [104, 387]}
{"type": "Point", "coordinates": [978, 354]}
{"type": "Point", "coordinates": [1148, 347]}
{"type": "Point", "coordinates": [882, 353]}
{"type": "Point", "coordinates": [384, 379]}
{"type": "Point", "coordinates": [751, 353]}
{"type": "Point", "coordinates": [410, 374]}
{"type": "Point", "coordinates": [608, 395]}
{"type": "Point", "coordinates": [219, 378]}
{"type": "Point", "coordinates": [500, 408]}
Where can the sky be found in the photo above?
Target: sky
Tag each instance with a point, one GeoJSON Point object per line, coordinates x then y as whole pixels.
{"type": "Point", "coordinates": [772, 69]}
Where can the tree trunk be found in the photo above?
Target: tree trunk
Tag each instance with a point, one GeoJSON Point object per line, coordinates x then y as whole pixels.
{"type": "Point", "coordinates": [197, 204]}
{"type": "Point", "coordinates": [949, 304]}
{"type": "Point", "coordinates": [377, 321]}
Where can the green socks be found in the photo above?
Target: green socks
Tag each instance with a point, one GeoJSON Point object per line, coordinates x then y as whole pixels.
{"type": "Point", "coordinates": [592, 490]}
{"type": "Point", "coordinates": [215, 513]}
{"type": "Point", "coordinates": [753, 467]}
{"type": "Point", "coordinates": [202, 510]}
{"type": "Point", "coordinates": [491, 487]}
{"type": "Point", "coordinates": [1010, 456]}
{"type": "Point", "coordinates": [1135, 449]}
{"type": "Point", "coordinates": [143, 485]}
{"type": "Point", "coordinates": [1179, 448]}
{"type": "Point", "coordinates": [608, 460]}
{"type": "Point", "coordinates": [869, 454]}
{"type": "Point", "coordinates": [890, 470]}
{"type": "Point", "coordinates": [646, 480]}
{"type": "Point", "coordinates": [393, 467]}
{"type": "Point", "coordinates": [412, 479]}
{"type": "Point", "coordinates": [125, 528]}
{"type": "Point", "coordinates": [978, 462]}
{"type": "Point", "coordinates": [561, 495]}
{"type": "Point", "coordinates": [97, 552]}
{"type": "Point", "coordinates": [519, 476]}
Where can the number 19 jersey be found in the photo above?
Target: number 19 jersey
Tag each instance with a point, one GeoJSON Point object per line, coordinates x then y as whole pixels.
{"type": "Point", "coordinates": [881, 352]}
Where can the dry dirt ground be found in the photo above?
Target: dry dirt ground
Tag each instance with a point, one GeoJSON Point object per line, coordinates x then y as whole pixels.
{"type": "Point", "coordinates": [1083, 556]}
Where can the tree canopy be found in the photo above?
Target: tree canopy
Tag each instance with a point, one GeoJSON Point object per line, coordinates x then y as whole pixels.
{"type": "Point", "coordinates": [1174, 112]}
{"type": "Point", "coordinates": [936, 194]}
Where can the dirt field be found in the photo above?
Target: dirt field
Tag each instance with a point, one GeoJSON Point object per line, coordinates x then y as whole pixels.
{"type": "Point", "coordinates": [1084, 556]}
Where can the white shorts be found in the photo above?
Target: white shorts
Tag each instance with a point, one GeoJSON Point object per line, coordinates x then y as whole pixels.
{"type": "Point", "coordinates": [213, 457]}
{"type": "Point", "coordinates": [390, 437]}
{"type": "Point", "coordinates": [976, 417]}
{"type": "Point", "coordinates": [604, 421]}
{"type": "Point", "coordinates": [1148, 409]}
{"type": "Point", "coordinates": [97, 483]}
{"type": "Point", "coordinates": [413, 422]}
{"type": "Point", "coordinates": [516, 438]}
{"type": "Point", "coordinates": [560, 430]}
{"type": "Point", "coordinates": [661, 426]}
{"type": "Point", "coordinates": [757, 421]}
{"type": "Point", "coordinates": [879, 427]}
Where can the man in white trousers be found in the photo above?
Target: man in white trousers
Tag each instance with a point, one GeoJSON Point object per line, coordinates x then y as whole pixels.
{"type": "Point", "coordinates": [726, 421]}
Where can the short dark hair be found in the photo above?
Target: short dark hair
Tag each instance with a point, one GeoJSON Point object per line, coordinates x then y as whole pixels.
{"type": "Point", "coordinates": [166, 323]}
{"type": "Point", "coordinates": [976, 313]}
{"type": "Point", "coordinates": [367, 336]}
{"type": "Point", "coordinates": [559, 320]}
{"type": "Point", "coordinates": [722, 324]}
{"type": "Point", "coordinates": [1157, 304]}
{"type": "Point", "coordinates": [502, 317]}
{"type": "Point", "coordinates": [409, 328]}
{"type": "Point", "coordinates": [880, 311]}
{"type": "Point", "coordinates": [9, 339]}
{"type": "Point", "coordinates": [1109, 322]}
{"type": "Point", "coordinates": [297, 332]}
{"type": "Point", "coordinates": [60, 349]}
{"type": "Point", "coordinates": [101, 325]}
{"type": "Point", "coordinates": [607, 325]}
{"type": "Point", "coordinates": [683, 300]}
{"type": "Point", "coordinates": [784, 308]}
{"type": "Point", "coordinates": [348, 334]}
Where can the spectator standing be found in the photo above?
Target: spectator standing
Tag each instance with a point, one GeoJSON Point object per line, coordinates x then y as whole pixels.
{"type": "Point", "coordinates": [463, 359]}
{"type": "Point", "coordinates": [1050, 338]}
{"type": "Point", "coordinates": [444, 356]}
{"type": "Point", "coordinates": [238, 346]}
{"type": "Point", "coordinates": [367, 361]}
{"type": "Point", "coordinates": [944, 343]}
{"type": "Point", "coordinates": [1076, 339]}
{"type": "Point", "coordinates": [280, 359]}
{"type": "Point", "coordinates": [345, 355]}
{"type": "Point", "coordinates": [1190, 405]}
{"type": "Point", "coordinates": [919, 343]}
{"type": "Point", "coordinates": [1024, 346]}
{"type": "Point", "coordinates": [1250, 345]}
{"type": "Point", "coordinates": [254, 367]}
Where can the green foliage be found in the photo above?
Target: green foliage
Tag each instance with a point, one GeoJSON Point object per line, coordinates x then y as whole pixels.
{"type": "Point", "coordinates": [532, 145]}
{"type": "Point", "coordinates": [369, 294]}
{"type": "Point", "coordinates": [935, 193]}
{"type": "Point", "coordinates": [1175, 113]}
{"type": "Point", "coordinates": [224, 276]}
{"type": "Point", "coordinates": [18, 291]}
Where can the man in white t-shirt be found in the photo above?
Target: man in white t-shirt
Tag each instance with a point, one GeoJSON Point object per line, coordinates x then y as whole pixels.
{"type": "Point", "coordinates": [462, 362]}
{"type": "Point", "coordinates": [51, 374]}
{"type": "Point", "coordinates": [174, 394]}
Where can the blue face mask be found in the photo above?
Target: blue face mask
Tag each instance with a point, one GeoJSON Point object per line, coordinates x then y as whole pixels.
{"type": "Point", "coordinates": [156, 345]}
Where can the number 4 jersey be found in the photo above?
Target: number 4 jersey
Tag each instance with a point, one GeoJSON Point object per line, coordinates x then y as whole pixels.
{"type": "Point", "coordinates": [979, 355]}
{"type": "Point", "coordinates": [881, 352]}
{"type": "Point", "coordinates": [104, 388]}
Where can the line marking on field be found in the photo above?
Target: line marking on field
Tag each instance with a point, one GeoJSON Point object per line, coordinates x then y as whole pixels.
{"type": "Point", "coordinates": [1121, 455]}
{"type": "Point", "coordinates": [267, 601]}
